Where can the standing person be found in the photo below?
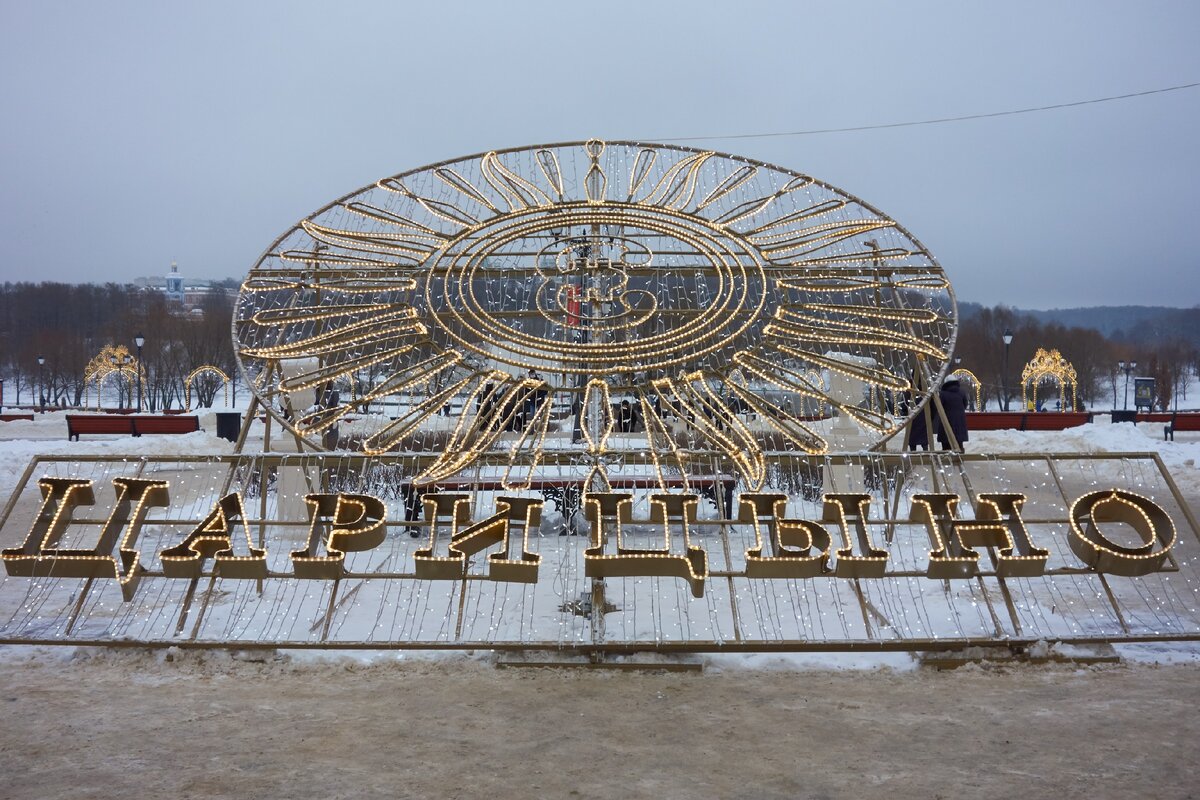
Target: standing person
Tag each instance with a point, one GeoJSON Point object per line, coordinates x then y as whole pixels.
{"type": "Point", "coordinates": [508, 412]}
{"type": "Point", "coordinates": [329, 398]}
{"type": "Point", "coordinates": [528, 404]}
{"type": "Point", "coordinates": [918, 433]}
{"type": "Point", "coordinates": [534, 401]}
{"type": "Point", "coordinates": [624, 417]}
{"type": "Point", "coordinates": [918, 429]}
{"type": "Point", "coordinates": [483, 400]}
{"type": "Point", "coordinates": [954, 402]}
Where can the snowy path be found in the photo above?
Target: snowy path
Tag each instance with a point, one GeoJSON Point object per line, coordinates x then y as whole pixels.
{"type": "Point", "coordinates": [109, 725]}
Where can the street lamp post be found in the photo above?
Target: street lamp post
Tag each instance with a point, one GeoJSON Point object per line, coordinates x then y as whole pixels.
{"type": "Point", "coordinates": [1008, 337]}
{"type": "Point", "coordinates": [1128, 367]}
{"type": "Point", "coordinates": [139, 340]}
{"type": "Point", "coordinates": [111, 360]}
{"type": "Point", "coordinates": [41, 386]}
{"type": "Point", "coordinates": [119, 366]}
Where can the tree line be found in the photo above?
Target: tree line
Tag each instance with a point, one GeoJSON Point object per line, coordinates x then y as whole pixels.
{"type": "Point", "coordinates": [1095, 357]}
{"type": "Point", "coordinates": [66, 325]}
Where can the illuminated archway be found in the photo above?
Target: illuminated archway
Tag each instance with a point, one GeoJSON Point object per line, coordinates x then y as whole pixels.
{"type": "Point", "coordinates": [111, 360]}
{"type": "Point", "coordinates": [1048, 364]}
{"type": "Point", "coordinates": [187, 382]}
{"type": "Point", "coordinates": [961, 373]}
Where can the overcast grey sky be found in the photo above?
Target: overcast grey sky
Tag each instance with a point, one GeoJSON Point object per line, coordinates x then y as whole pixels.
{"type": "Point", "coordinates": [135, 133]}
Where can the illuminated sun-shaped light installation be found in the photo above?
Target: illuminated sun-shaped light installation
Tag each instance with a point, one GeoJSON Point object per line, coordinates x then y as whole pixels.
{"type": "Point", "coordinates": [592, 297]}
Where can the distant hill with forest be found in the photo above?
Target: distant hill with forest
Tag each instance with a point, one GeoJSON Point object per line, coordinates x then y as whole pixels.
{"type": "Point", "coordinates": [1149, 325]}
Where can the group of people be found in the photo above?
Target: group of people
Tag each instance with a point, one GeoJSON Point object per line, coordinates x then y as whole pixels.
{"type": "Point", "coordinates": [511, 408]}
{"type": "Point", "coordinates": [954, 403]}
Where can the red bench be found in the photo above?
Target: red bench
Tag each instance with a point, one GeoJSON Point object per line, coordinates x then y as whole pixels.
{"type": "Point", "coordinates": [1026, 421]}
{"type": "Point", "coordinates": [15, 417]}
{"type": "Point", "coordinates": [1056, 420]}
{"type": "Point", "coordinates": [98, 423]}
{"type": "Point", "coordinates": [165, 424]}
{"type": "Point", "coordinates": [992, 420]}
{"type": "Point", "coordinates": [128, 425]}
{"type": "Point", "coordinates": [1187, 421]}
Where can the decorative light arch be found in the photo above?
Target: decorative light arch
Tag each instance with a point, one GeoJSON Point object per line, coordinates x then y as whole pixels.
{"type": "Point", "coordinates": [187, 382]}
{"type": "Point", "coordinates": [961, 373]}
{"type": "Point", "coordinates": [1048, 364]}
{"type": "Point", "coordinates": [101, 367]}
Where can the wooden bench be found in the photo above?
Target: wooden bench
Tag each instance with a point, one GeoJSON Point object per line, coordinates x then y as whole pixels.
{"type": "Point", "coordinates": [1187, 421]}
{"type": "Point", "coordinates": [164, 424]}
{"type": "Point", "coordinates": [15, 417]}
{"type": "Point", "coordinates": [128, 425]}
{"type": "Point", "coordinates": [98, 423]}
{"type": "Point", "coordinates": [1026, 421]}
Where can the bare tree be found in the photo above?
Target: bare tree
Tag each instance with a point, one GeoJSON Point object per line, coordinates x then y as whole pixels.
{"type": "Point", "coordinates": [68, 325]}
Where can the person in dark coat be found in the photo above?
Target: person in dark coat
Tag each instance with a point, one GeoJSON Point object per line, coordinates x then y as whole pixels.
{"type": "Point", "coordinates": [533, 401]}
{"type": "Point", "coordinates": [954, 401]}
{"type": "Point", "coordinates": [329, 398]}
{"type": "Point", "coordinates": [918, 434]}
{"type": "Point", "coordinates": [624, 417]}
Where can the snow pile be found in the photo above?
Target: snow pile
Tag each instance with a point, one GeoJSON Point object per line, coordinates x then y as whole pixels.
{"type": "Point", "coordinates": [1180, 457]}
{"type": "Point", "coordinates": [15, 454]}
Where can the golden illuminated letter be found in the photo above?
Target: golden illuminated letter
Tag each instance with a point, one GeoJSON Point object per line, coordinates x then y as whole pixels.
{"type": "Point", "coordinates": [952, 540]}
{"type": "Point", "coordinates": [1018, 558]}
{"type": "Point", "coordinates": [214, 538]}
{"type": "Point", "coordinates": [1147, 519]}
{"type": "Point", "coordinates": [455, 510]}
{"type": "Point", "coordinates": [612, 512]}
{"type": "Point", "coordinates": [521, 513]}
{"type": "Point", "coordinates": [511, 512]}
{"type": "Point", "coordinates": [60, 497]}
{"type": "Point", "coordinates": [791, 540]}
{"type": "Point", "coordinates": [343, 523]}
{"type": "Point", "coordinates": [40, 555]}
{"type": "Point", "coordinates": [850, 511]}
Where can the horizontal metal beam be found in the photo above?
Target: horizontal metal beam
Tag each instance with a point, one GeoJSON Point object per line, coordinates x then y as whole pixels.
{"type": "Point", "coordinates": [623, 648]}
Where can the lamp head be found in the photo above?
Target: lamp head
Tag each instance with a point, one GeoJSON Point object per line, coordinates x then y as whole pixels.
{"type": "Point", "coordinates": [1008, 336]}
{"type": "Point", "coordinates": [139, 340]}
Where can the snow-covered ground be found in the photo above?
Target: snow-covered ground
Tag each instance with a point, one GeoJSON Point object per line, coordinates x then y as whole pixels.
{"type": "Point", "coordinates": [88, 722]}
{"type": "Point", "coordinates": [46, 435]}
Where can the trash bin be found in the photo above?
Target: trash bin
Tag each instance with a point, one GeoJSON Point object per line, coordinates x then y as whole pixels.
{"type": "Point", "coordinates": [1124, 416]}
{"type": "Point", "coordinates": [229, 425]}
